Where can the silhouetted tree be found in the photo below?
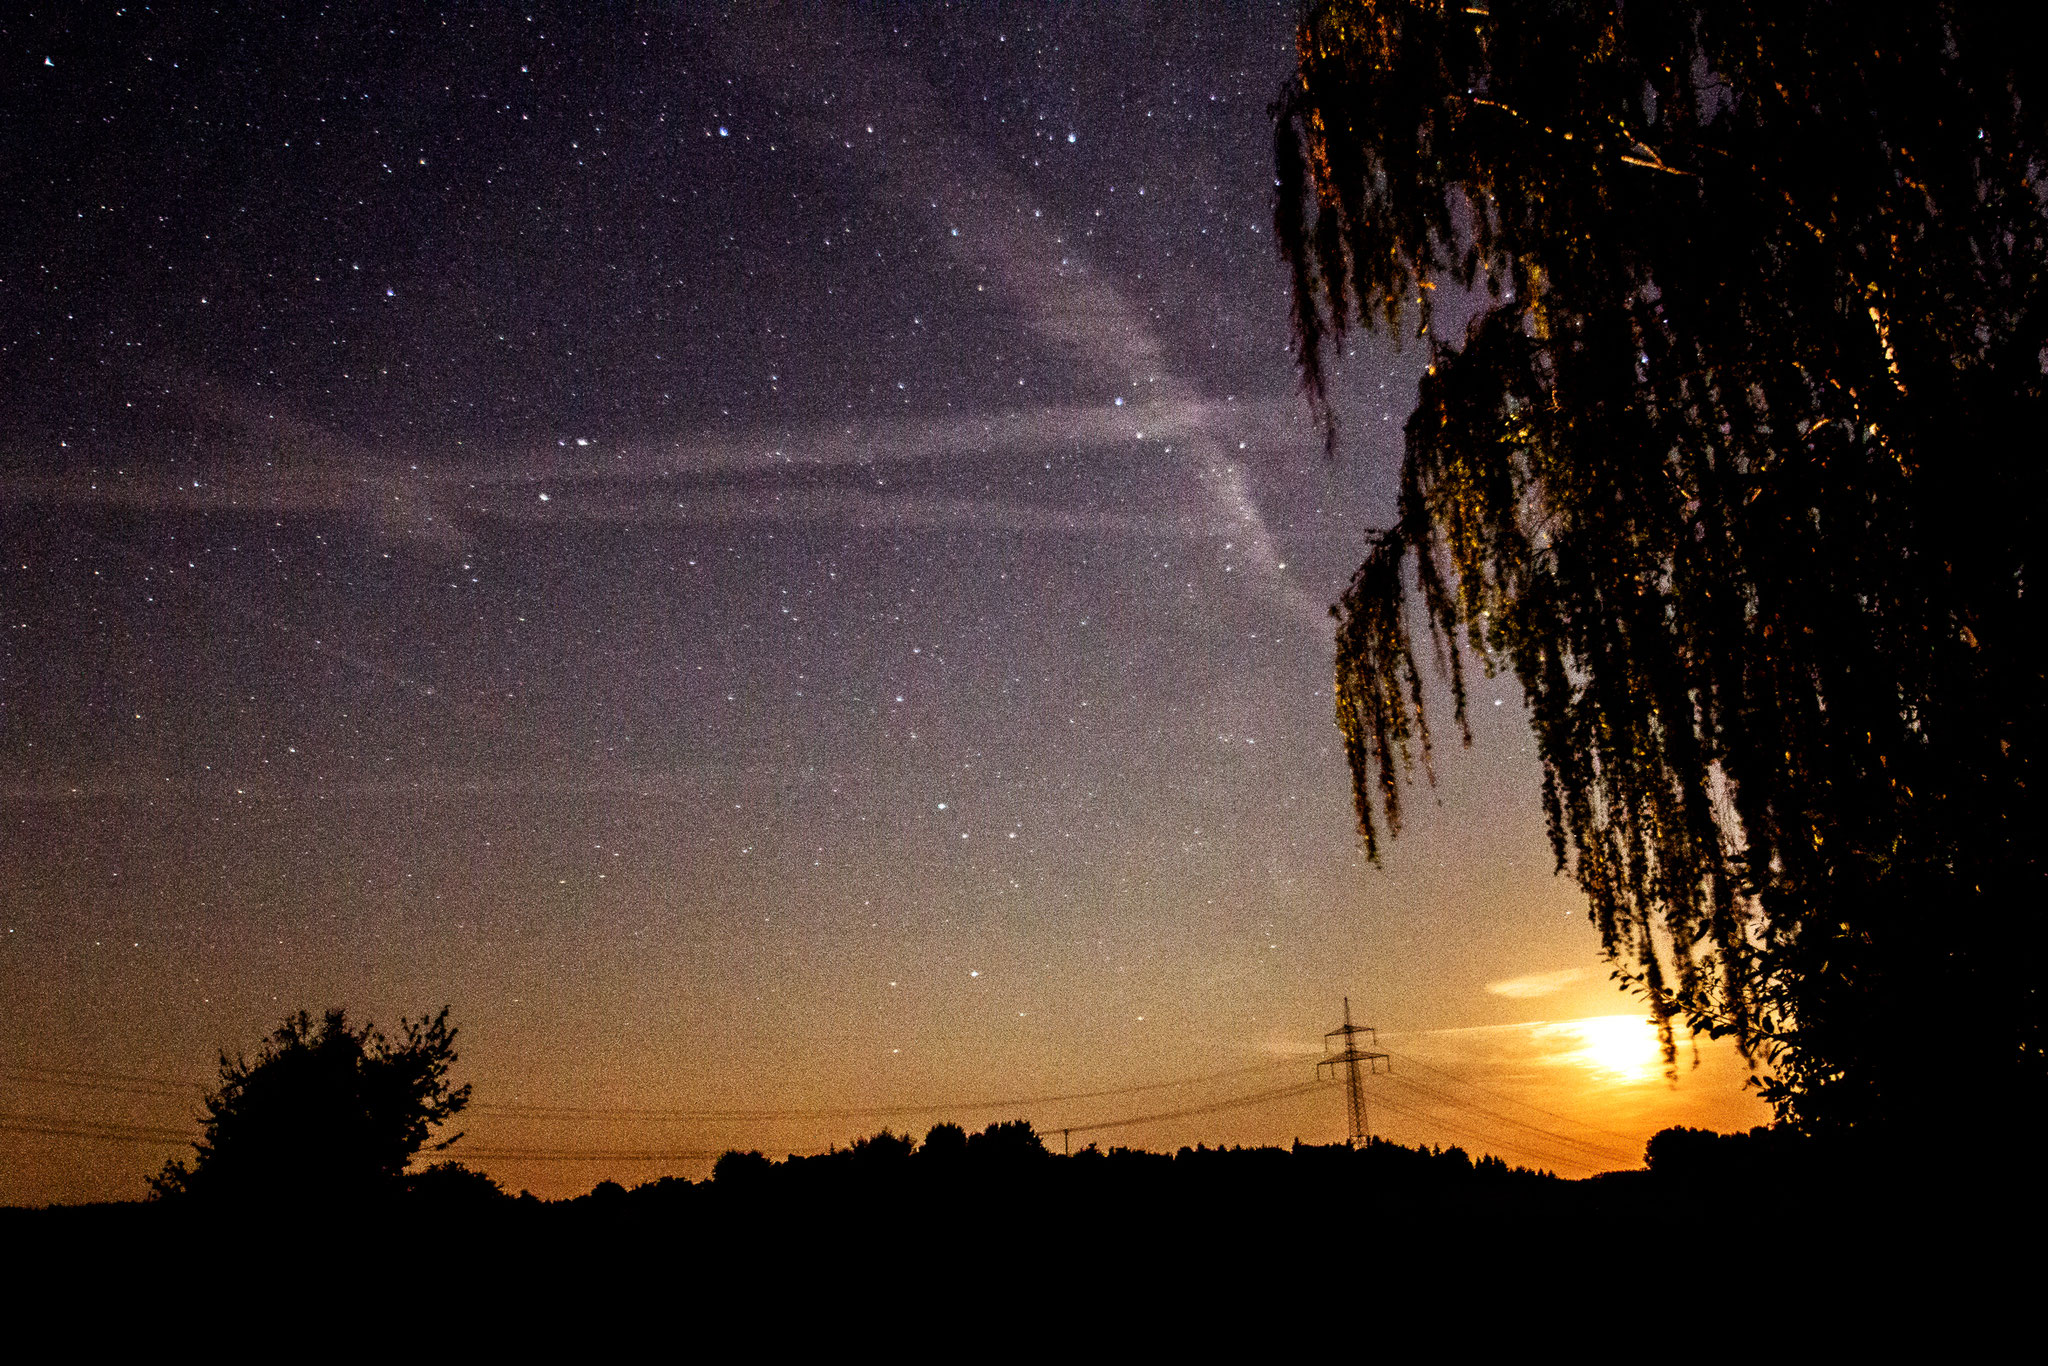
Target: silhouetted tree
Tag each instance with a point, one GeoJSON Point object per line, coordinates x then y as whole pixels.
{"type": "Point", "coordinates": [739, 1170]}
{"type": "Point", "coordinates": [1010, 1141]}
{"type": "Point", "coordinates": [455, 1187]}
{"type": "Point", "coordinates": [944, 1143]}
{"type": "Point", "coordinates": [885, 1149]}
{"type": "Point", "coordinates": [1739, 467]}
{"type": "Point", "coordinates": [324, 1113]}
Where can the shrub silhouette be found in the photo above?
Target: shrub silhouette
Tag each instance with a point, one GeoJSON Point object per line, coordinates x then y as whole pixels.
{"type": "Point", "coordinates": [324, 1114]}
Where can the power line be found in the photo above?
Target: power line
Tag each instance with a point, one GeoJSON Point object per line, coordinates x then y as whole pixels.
{"type": "Point", "coordinates": [593, 1155]}
{"type": "Point", "coordinates": [63, 1126]}
{"type": "Point", "coordinates": [1236, 1103]}
{"type": "Point", "coordinates": [1594, 1148]}
{"type": "Point", "coordinates": [517, 1110]}
{"type": "Point", "coordinates": [1413, 1061]}
{"type": "Point", "coordinates": [115, 1085]}
{"type": "Point", "coordinates": [32, 1072]}
{"type": "Point", "coordinates": [127, 1083]}
{"type": "Point", "coordinates": [87, 1079]}
{"type": "Point", "coordinates": [487, 1154]}
{"type": "Point", "coordinates": [153, 1136]}
{"type": "Point", "coordinates": [1429, 1115]}
{"type": "Point", "coordinates": [122, 1083]}
{"type": "Point", "coordinates": [1553, 1159]}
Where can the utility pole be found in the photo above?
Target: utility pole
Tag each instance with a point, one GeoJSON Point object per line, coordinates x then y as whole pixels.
{"type": "Point", "coordinates": [1342, 1048]}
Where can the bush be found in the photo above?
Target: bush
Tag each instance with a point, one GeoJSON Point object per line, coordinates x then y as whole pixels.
{"type": "Point", "coordinates": [325, 1114]}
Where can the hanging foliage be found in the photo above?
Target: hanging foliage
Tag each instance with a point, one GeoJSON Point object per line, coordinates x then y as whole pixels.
{"type": "Point", "coordinates": [1738, 467]}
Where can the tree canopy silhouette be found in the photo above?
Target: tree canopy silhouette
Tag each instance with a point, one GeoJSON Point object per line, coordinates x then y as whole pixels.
{"type": "Point", "coordinates": [1738, 465]}
{"type": "Point", "coordinates": [324, 1113]}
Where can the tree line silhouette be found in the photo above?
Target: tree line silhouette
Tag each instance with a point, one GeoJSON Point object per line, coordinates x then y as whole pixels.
{"type": "Point", "coordinates": [331, 1116]}
{"type": "Point", "coordinates": [333, 1136]}
{"type": "Point", "coordinates": [327, 1118]}
{"type": "Point", "coordinates": [323, 1179]}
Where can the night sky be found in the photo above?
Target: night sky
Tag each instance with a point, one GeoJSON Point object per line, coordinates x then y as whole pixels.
{"type": "Point", "coordinates": [772, 559]}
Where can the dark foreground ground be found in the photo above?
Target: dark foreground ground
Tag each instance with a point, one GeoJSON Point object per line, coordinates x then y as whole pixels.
{"type": "Point", "coordinates": [1000, 1190]}
{"type": "Point", "coordinates": [1723, 1243]}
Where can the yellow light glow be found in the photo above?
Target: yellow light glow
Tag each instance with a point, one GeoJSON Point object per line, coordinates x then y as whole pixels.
{"type": "Point", "coordinates": [1614, 1048]}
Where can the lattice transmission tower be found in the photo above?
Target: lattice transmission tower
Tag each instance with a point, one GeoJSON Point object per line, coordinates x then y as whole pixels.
{"type": "Point", "coordinates": [1343, 1050]}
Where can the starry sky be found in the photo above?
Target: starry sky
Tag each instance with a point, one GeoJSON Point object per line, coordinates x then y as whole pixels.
{"type": "Point", "coordinates": [770, 557]}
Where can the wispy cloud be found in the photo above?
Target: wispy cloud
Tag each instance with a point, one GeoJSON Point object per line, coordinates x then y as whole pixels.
{"type": "Point", "coordinates": [907, 509]}
{"type": "Point", "coordinates": [1538, 983]}
{"type": "Point", "coordinates": [272, 466]}
{"type": "Point", "coordinates": [257, 462]}
{"type": "Point", "coordinates": [686, 783]}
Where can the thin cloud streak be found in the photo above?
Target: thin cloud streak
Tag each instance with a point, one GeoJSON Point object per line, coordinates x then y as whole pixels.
{"type": "Point", "coordinates": [1538, 983]}
{"type": "Point", "coordinates": [683, 783]}
{"type": "Point", "coordinates": [988, 222]}
{"type": "Point", "coordinates": [841, 507]}
{"type": "Point", "coordinates": [322, 474]}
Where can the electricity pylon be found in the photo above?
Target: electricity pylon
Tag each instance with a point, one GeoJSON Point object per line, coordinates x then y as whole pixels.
{"type": "Point", "coordinates": [1345, 1052]}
